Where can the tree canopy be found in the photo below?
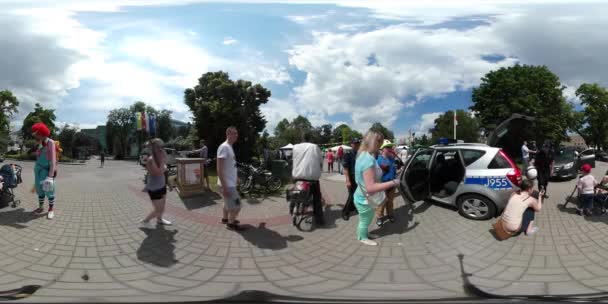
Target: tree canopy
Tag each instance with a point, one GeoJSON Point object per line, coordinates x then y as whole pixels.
{"type": "Point", "coordinates": [378, 127]}
{"type": "Point", "coordinates": [593, 120]}
{"type": "Point", "coordinates": [528, 90]}
{"type": "Point", "coordinates": [8, 107]}
{"type": "Point", "coordinates": [120, 123]}
{"type": "Point", "coordinates": [40, 114]}
{"type": "Point", "coordinates": [218, 102]}
{"type": "Point", "coordinates": [66, 137]}
{"type": "Point", "coordinates": [344, 134]}
{"type": "Point", "coordinates": [467, 128]}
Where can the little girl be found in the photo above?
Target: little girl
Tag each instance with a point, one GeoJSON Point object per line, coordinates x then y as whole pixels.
{"type": "Point", "coordinates": [586, 190]}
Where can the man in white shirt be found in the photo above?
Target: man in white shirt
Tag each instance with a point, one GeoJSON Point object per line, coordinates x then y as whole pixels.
{"type": "Point", "coordinates": [525, 153]}
{"type": "Point", "coordinates": [227, 179]}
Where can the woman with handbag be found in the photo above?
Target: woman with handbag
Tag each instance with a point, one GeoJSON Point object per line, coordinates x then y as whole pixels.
{"type": "Point", "coordinates": [519, 214]}
{"type": "Point", "coordinates": [370, 191]}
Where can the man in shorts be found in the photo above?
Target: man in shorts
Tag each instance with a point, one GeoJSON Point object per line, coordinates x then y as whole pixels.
{"type": "Point", "coordinates": [227, 180]}
{"type": "Point", "coordinates": [204, 154]}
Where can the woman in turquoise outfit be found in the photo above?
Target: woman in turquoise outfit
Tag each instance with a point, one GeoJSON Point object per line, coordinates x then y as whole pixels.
{"type": "Point", "coordinates": [45, 169]}
{"type": "Point", "coordinates": [368, 175]}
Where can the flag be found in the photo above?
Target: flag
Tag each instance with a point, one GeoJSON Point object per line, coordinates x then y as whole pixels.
{"type": "Point", "coordinates": [144, 122]}
{"type": "Point", "coordinates": [455, 119]}
{"type": "Point", "coordinates": [138, 121]}
{"type": "Point", "coordinates": [149, 123]}
{"type": "Point", "coordinates": [152, 125]}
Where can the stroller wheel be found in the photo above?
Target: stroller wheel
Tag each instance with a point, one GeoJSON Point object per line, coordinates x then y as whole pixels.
{"type": "Point", "coordinates": [345, 217]}
{"type": "Point", "coordinates": [16, 203]}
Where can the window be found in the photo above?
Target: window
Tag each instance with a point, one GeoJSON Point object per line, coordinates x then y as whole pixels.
{"type": "Point", "coordinates": [421, 160]}
{"type": "Point", "coordinates": [587, 152]}
{"type": "Point", "coordinates": [499, 162]}
{"type": "Point", "coordinates": [470, 156]}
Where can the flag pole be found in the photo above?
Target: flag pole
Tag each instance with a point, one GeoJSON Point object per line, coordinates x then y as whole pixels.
{"type": "Point", "coordinates": [455, 123]}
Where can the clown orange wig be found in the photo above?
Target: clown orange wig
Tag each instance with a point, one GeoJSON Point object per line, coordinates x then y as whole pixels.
{"type": "Point", "coordinates": [41, 129]}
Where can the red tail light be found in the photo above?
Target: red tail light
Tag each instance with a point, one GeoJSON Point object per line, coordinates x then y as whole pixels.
{"type": "Point", "coordinates": [515, 174]}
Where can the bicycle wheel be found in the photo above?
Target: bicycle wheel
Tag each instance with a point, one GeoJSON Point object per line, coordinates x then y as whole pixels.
{"type": "Point", "coordinates": [274, 184]}
{"type": "Point", "coordinates": [305, 220]}
{"type": "Point", "coordinates": [245, 186]}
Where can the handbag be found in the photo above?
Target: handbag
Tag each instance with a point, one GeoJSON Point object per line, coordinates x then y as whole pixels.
{"type": "Point", "coordinates": [500, 231]}
{"type": "Point", "coordinates": [375, 199]}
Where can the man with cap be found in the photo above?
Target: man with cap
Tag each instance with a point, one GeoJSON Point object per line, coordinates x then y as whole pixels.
{"type": "Point", "coordinates": [386, 161]}
{"type": "Point", "coordinates": [348, 163]}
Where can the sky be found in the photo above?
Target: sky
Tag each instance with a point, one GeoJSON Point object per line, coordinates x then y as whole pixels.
{"type": "Point", "coordinates": [400, 63]}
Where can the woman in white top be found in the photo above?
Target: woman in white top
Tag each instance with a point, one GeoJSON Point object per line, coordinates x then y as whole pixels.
{"type": "Point", "coordinates": [519, 214]}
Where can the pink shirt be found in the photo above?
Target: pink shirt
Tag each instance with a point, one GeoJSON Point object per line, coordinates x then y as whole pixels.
{"type": "Point", "coordinates": [330, 157]}
{"type": "Point", "coordinates": [586, 184]}
{"type": "Point", "coordinates": [513, 214]}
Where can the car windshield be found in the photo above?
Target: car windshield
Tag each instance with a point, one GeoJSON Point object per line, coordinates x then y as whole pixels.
{"type": "Point", "coordinates": [332, 150]}
{"type": "Point", "coordinates": [565, 155]}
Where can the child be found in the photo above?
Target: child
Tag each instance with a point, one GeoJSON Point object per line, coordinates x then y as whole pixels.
{"type": "Point", "coordinates": [586, 190]}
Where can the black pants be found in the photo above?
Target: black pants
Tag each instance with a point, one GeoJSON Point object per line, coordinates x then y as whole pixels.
{"type": "Point", "coordinates": [543, 180]}
{"type": "Point", "coordinates": [317, 205]}
{"type": "Point", "coordinates": [349, 206]}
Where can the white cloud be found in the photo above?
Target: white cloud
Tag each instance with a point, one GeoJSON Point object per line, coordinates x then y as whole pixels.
{"type": "Point", "coordinates": [276, 110]}
{"type": "Point", "coordinates": [305, 19]}
{"type": "Point", "coordinates": [229, 41]}
{"type": "Point", "coordinates": [427, 121]}
{"type": "Point", "coordinates": [407, 63]}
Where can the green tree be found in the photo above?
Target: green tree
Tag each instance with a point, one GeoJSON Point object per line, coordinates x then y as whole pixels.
{"type": "Point", "coordinates": [8, 107]}
{"type": "Point", "coordinates": [528, 90]}
{"type": "Point", "coordinates": [467, 128]}
{"type": "Point", "coordinates": [344, 134]}
{"type": "Point", "coordinates": [423, 140]}
{"type": "Point", "coordinates": [378, 127]}
{"type": "Point", "coordinates": [40, 114]}
{"type": "Point", "coordinates": [325, 133]}
{"type": "Point", "coordinates": [218, 102]}
{"type": "Point", "coordinates": [66, 137]}
{"type": "Point", "coordinates": [166, 131]}
{"type": "Point", "coordinates": [120, 124]}
{"type": "Point", "coordinates": [594, 120]}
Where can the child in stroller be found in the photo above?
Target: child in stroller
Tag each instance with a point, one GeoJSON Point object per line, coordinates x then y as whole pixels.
{"type": "Point", "coordinates": [10, 177]}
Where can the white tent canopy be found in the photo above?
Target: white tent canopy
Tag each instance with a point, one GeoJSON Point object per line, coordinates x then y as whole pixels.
{"type": "Point", "coordinates": [344, 147]}
{"type": "Point", "coordinates": [287, 147]}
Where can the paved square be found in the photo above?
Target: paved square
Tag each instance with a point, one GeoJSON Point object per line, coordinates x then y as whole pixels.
{"type": "Point", "coordinates": [94, 250]}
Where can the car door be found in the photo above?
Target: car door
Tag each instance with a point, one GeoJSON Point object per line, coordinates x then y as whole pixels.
{"type": "Point", "coordinates": [414, 183]}
{"type": "Point", "coordinates": [509, 129]}
{"type": "Point", "coordinates": [587, 157]}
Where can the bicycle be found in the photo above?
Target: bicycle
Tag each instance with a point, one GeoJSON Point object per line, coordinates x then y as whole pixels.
{"type": "Point", "coordinates": [300, 200]}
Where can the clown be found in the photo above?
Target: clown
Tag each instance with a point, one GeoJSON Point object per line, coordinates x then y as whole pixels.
{"type": "Point", "coordinates": [45, 169]}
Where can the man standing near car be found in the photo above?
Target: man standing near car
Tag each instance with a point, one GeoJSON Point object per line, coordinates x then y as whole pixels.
{"type": "Point", "coordinates": [543, 162]}
{"type": "Point", "coordinates": [525, 153]}
{"type": "Point", "coordinates": [349, 172]}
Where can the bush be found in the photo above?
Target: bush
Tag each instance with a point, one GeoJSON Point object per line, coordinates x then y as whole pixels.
{"type": "Point", "coordinates": [21, 156]}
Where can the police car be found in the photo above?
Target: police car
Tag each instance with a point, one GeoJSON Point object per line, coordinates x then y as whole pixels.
{"type": "Point", "coordinates": [478, 179]}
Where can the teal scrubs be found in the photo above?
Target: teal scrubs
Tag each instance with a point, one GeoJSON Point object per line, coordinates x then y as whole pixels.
{"type": "Point", "coordinates": [366, 212]}
{"type": "Point", "coordinates": [41, 172]}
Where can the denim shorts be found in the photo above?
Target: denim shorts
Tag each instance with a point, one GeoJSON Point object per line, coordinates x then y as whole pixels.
{"type": "Point", "coordinates": [233, 200]}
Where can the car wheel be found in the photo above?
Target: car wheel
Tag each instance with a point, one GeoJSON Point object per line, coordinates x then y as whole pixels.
{"type": "Point", "coordinates": [476, 207]}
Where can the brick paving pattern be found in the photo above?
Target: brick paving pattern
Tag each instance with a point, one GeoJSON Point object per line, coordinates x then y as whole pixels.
{"type": "Point", "coordinates": [94, 250]}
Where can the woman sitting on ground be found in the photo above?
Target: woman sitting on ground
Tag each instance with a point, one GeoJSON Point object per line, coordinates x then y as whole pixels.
{"type": "Point", "coordinates": [519, 214]}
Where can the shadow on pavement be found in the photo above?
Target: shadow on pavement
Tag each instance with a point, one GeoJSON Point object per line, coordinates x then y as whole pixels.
{"type": "Point", "coordinates": [404, 216]}
{"type": "Point", "coordinates": [16, 218]}
{"type": "Point", "coordinates": [264, 238]}
{"type": "Point", "coordinates": [158, 248]}
{"type": "Point", "coordinates": [201, 201]}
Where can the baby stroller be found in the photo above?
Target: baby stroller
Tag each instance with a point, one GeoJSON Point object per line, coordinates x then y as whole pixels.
{"type": "Point", "coordinates": [11, 177]}
{"type": "Point", "coordinates": [305, 193]}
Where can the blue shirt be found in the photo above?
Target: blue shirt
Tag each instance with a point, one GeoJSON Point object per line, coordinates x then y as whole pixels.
{"type": "Point", "coordinates": [391, 173]}
{"type": "Point", "coordinates": [364, 161]}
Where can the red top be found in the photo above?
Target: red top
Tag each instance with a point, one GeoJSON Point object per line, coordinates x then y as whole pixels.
{"type": "Point", "coordinates": [329, 156]}
{"type": "Point", "coordinates": [340, 152]}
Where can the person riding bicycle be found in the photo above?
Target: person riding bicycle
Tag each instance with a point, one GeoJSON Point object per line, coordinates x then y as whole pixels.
{"type": "Point", "coordinates": [306, 157]}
